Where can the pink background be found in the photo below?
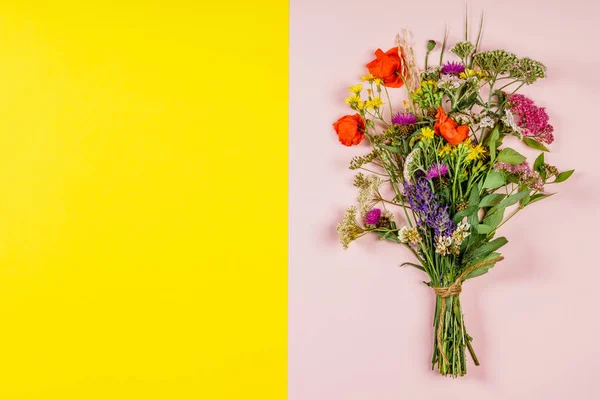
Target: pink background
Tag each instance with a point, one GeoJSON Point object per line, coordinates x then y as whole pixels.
{"type": "Point", "coordinates": [360, 326]}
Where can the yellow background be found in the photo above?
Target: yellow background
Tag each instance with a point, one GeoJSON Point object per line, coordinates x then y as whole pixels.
{"type": "Point", "coordinates": [143, 210]}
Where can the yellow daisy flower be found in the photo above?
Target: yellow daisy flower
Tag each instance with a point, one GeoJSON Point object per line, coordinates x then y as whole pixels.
{"type": "Point", "coordinates": [467, 73]}
{"type": "Point", "coordinates": [476, 152]}
{"type": "Point", "coordinates": [427, 133]}
{"type": "Point", "coordinates": [377, 102]}
{"type": "Point", "coordinates": [356, 89]}
{"type": "Point", "coordinates": [445, 150]}
{"type": "Point", "coordinates": [353, 99]}
{"type": "Point", "coordinates": [367, 78]}
{"type": "Point", "coordinates": [360, 105]}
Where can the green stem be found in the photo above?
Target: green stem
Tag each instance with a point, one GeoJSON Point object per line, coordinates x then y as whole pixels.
{"type": "Point", "coordinates": [472, 352]}
{"type": "Point", "coordinates": [508, 84]}
{"type": "Point", "coordinates": [389, 101]}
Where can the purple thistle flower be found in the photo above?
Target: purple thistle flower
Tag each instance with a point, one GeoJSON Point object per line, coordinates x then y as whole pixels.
{"type": "Point", "coordinates": [533, 120]}
{"type": "Point", "coordinates": [436, 170]}
{"type": "Point", "coordinates": [404, 119]}
{"type": "Point", "coordinates": [373, 216]}
{"type": "Point", "coordinates": [452, 68]}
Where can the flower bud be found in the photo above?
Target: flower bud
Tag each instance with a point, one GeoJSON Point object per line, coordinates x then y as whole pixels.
{"type": "Point", "coordinates": [431, 45]}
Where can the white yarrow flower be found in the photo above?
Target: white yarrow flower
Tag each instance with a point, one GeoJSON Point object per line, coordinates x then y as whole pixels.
{"type": "Point", "coordinates": [368, 193]}
{"type": "Point", "coordinates": [448, 81]}
{"type": "Point", "coordinates": [509, 120]}
{"type": "Point", "coordinates": [486, 122]}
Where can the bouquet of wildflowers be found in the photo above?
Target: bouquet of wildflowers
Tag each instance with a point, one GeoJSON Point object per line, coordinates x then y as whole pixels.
{"type": "Point", "coordinates": [438, 179]}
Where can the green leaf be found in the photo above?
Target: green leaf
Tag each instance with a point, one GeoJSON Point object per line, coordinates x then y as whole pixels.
{"type": "Point", "coordinates": [479, 271]}
{"type": "Point", "coordinates": [538, 197]}
{"type": "Point", "coordinates": [483, 270]}
{"type": "Point", "coordinates": [483, 229]}
{"type": "Point", "coordinates": [466, 102]}
{"type": "Point", "coordinates": [464, 213]}
{"type": "Point", "coordinates": [494, 180]}
{"type": "Point", "coordinates": [389, 236]}
{"type": "Point", "coordinates": [392, 149]}
{"type": "Point", "coordinates": [496, 213]}
{"type": "Point", "coordinates": [491, 200]}
{"type": "Point", "coordinates": [473, 219]}
{"type": "Point", "coordinates": [510, 156]}
{"type": "Point", "coordinates": [514, 198]}
{"type": "Point", "coordinates": [472, 208]}
{"type": "Point", "coordinates": [417, 266]}
{"type": "Point", "coordinates": [485, 250]}
{"type": "Point", "coordinates": [563, 176]}
{"type": "Point", "coordinates": [534, 144]}
{"type": "Point", "coordinates": [494, 218]}
{"type": "Point", "coordinates": [474, 196]}
{"type": "Point", "coordinates": [538, 165]}
{"type": "Point", "coordinates": [492, 141]}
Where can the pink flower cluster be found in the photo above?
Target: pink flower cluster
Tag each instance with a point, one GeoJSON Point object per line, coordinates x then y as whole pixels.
{"type": "Point", "coordinates": [531, 179]}
{"type": "Point", "coordinates": [533, 120]}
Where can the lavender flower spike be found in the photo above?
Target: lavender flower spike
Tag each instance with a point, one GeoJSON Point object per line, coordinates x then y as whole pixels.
{"type": "Point", "coordinates": [429, 212]}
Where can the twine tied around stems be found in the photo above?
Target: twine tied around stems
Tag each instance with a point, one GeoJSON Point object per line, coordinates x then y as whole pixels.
{"type": "Point", "coordinates": [454, 289]}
